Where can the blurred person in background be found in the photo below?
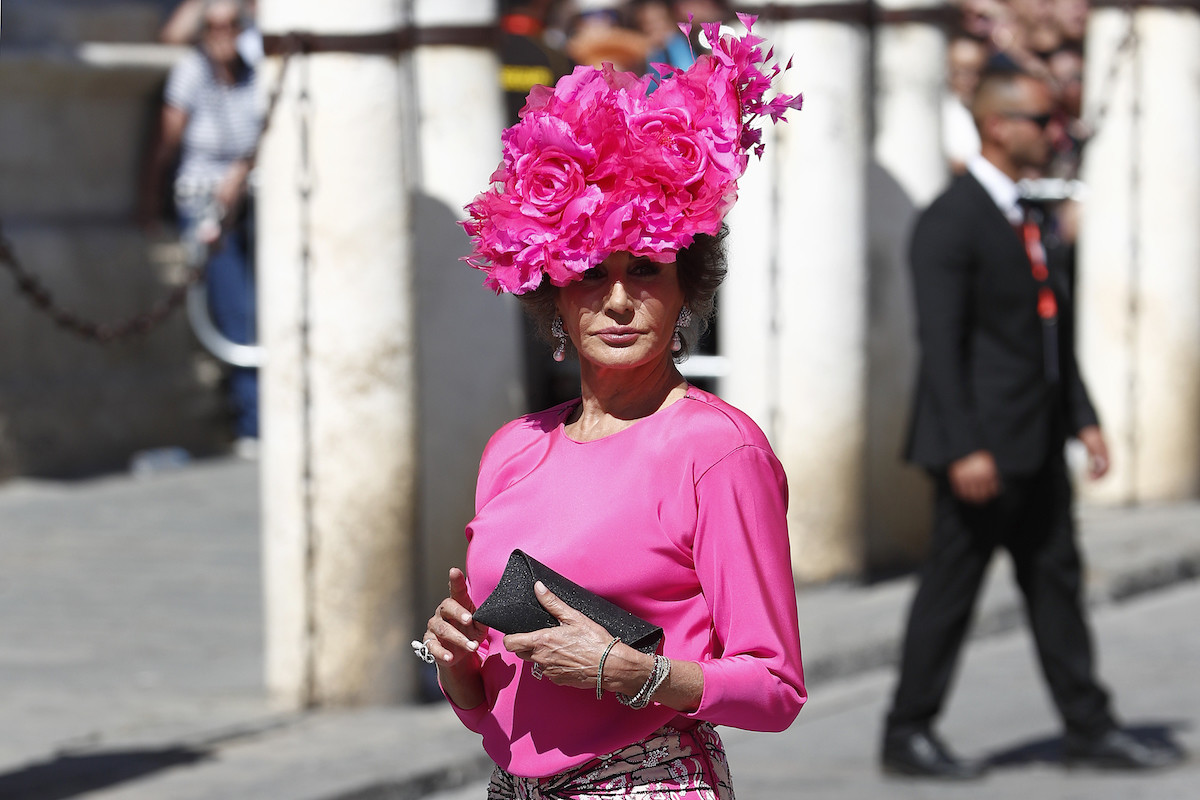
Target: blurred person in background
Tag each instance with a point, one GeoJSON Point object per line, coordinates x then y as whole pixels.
{"type": "Point", "coordinates": [185, 23]}
{"type": "Point", "coordinates": [598, 35]}
{"type": "Point", "coordinates": [998, 392]}
{"type": "Point", "coordinates": [1070, 16]}
{"type": "Point", "coordinates": [1066, 70]}
{"type": "Point", "coordinates": [211, 121]}
{"type": "Point", "coordinates": [965, 58]}
{"type": "Point", "coordinates": [1007, 30]}
{"type": "Point", "coordinates": [668, 44]}
{"type": "Point", "coordinates": [701, 11]}
{"type": "Point", "coordinates": [527, 59]}
{"type": "Point", "coordinates": [1039, 29]}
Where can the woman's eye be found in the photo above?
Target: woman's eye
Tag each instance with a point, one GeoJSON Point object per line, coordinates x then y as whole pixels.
{"type": "Point", "coordinates": [593, 274]}
{"type": "Point", "coordinates": [645, 269]}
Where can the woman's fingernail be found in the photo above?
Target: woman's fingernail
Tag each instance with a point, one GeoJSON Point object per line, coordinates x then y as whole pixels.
{"type": "Point", "coordinates": [473, 645]}
{"type": "Point", "coordinates": [540, 587]}
{"type": "Point", "coordinates": [466, 618]}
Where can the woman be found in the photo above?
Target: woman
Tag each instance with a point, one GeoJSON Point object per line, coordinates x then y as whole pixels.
{"type": "Point", "coordinates": [210, 119]}
{"type": "Point", "coordinates": [651, 493]}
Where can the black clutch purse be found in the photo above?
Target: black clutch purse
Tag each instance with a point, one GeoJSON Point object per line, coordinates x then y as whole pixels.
{"type": "Point", "coordinates": [514, 608]}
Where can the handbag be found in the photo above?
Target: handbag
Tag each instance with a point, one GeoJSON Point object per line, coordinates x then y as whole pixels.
{"type": "Point", "coordinates": [513, 606]}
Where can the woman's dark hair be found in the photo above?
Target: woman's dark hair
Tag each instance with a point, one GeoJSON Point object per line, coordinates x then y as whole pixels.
{"type": "Point", "coordinates": [700, 268]}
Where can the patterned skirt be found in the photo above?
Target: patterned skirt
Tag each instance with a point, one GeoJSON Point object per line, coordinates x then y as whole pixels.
{"type": "Point", "coordinates": [669, 764]}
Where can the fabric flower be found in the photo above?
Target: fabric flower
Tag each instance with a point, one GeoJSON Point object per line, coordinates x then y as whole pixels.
{"type": "Point", "coordinates": [603, 163]}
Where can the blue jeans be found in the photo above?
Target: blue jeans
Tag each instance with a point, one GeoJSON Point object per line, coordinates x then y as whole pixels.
{"type": "Point", "coordinates": [232, 303]}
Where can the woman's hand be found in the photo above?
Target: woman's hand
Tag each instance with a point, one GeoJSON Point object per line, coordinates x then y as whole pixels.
{"type": "Point", "coordinates": [569, 654]}
{"type": "Point", "coordinates": [232, 189]}
{"type": "Point", "coordinates": [453, 637]}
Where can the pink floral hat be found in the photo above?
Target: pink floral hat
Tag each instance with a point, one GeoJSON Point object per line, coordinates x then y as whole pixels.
{"type": "Point", "coordinates": [600, 164]}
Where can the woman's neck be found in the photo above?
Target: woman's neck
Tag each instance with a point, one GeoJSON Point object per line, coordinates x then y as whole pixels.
{"type": "Point", "coordinates": [227, 73]}
{"type": "Point", "coordinates": [614, 399]}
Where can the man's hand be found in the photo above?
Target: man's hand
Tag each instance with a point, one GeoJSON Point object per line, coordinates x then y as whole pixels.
{"type": "Point", "coordinates": [974, 478]}
{"type": "Point", "coordinates": [1097, 449]}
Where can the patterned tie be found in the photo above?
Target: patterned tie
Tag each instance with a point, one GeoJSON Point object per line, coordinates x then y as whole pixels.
{"type": "Point", "coordinates": [1047, 303]}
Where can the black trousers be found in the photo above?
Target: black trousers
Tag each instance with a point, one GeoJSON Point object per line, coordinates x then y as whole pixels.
{"type": "Point", "coordinates": [1032, 519]}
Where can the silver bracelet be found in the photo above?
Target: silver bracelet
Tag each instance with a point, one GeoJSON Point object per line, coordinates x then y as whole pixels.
{"type": "Point", "coordinates": [658, 676]}
{"type": "Point", "coordinates": [600, 671]}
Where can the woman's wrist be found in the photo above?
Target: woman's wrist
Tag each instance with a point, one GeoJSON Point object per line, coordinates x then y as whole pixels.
{"type": "Point", "coordinates": [627, 669]}
{"type": "Point", "coordinates": [462, 682]}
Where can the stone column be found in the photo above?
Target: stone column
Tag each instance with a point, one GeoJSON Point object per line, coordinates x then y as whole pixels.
{"type": "Point", "coordinates": [1139, 268]}
{"type": "Point", "coordinates": [338, 384]}
{"type": "Point", "coordinates": [907, 172]}
{"type": "Point", "coordinates": [800, 268]}
{"type": "Point", "coordinates": [469, 385]}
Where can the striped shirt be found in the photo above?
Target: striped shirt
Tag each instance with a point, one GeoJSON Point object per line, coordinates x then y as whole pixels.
{"type": "Point", "coordinates": [223, 121]}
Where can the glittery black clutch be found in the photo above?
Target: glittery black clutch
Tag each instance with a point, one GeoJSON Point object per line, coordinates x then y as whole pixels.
{"type": "Point", "coordinates": [514, 608]}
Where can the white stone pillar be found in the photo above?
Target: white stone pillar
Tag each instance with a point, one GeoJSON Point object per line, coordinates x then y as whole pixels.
{"type": "Point", "coordinates": [338, 385]}
{"type": "Point", "coordinates": [806, 307]}
{"type": "Point", "coordinates": [1139, 269]}
{"type": "Point", "coordinates": [907, 173]}
{"type": "Point", "coordinates": [469, 344]}
{"type": "Point", "coordinates": [748, 307]}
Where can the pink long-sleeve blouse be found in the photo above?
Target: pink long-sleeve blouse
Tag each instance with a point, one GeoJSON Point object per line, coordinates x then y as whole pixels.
{"type": "Point", "coordinates": [680, 519]}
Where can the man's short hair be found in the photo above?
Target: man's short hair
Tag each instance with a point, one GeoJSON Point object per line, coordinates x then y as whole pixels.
{"type": "Point", "coordinates": [997, 84]}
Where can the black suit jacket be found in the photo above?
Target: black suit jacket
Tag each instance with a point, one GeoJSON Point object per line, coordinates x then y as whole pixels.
{"type": "Point", "coordinates": [982, 383]}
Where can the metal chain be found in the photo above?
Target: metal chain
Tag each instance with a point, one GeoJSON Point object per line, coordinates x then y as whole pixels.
{"type": "Point", "coordinates": [42, 298]}
{"type": "Point", "coordinates": [39, 295]}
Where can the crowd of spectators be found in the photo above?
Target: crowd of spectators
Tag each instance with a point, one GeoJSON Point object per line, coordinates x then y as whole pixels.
{"type": "Point", "coordinates": [545, 39]}
{"type": "Point", "coordinates": [1042, 37]}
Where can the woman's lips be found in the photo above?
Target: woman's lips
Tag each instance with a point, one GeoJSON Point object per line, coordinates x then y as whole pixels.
{"type": "Point", "coordinates": [621, 335]}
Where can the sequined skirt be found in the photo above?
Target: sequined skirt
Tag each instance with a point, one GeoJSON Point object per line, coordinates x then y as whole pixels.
{"type": "Point", "coordinates": [669, 764]}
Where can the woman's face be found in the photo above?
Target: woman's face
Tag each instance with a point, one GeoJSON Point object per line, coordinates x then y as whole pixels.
{"type": "Point", "coordinates": [222, 24]}
{"type": "Point", "coordinates": [622, 313]}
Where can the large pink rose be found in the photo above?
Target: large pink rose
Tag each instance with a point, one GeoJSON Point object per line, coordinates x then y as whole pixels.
{"type": "Point", "coordinates": [668, 147]}
{"type": "Point", "coordinates": [547, 165]}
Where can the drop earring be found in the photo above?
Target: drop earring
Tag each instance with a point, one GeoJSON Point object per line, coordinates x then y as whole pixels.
{"type": "Point", "coordinates": [684, 321]}
{"type": "Point", "coordinates": [556, 330]}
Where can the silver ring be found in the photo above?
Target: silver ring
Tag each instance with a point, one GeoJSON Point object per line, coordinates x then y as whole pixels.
{"type": "Point", "coordinates": [421, 650]}
{"type": "Point", "coordinates": [536, 670]}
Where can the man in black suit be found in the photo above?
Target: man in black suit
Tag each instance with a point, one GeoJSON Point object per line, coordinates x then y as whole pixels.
{"type": "Point", "coordinates": [997, 395]}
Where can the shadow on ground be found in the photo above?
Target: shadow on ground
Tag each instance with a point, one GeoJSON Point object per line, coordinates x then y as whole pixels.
{"type": "Point", "coordinates": [1049, 750]}
{"type": "Point", "coordinates": [70, 775]}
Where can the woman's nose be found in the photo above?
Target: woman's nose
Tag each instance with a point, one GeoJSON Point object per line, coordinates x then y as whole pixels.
{"type": "Point", "coordinates": [618, 298]}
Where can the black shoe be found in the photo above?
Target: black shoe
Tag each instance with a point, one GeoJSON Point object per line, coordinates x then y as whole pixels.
{"type": "Point", "coordinates": [1118, 749]}
{"type": "Point", "coordinates": [921, 754]}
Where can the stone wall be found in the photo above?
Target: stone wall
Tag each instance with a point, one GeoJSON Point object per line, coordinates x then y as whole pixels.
{"type": "Point", "coordinates": [80, 84]}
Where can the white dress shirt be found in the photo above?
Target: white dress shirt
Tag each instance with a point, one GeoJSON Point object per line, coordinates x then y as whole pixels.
{"type": "Point", "coordinates": [1002, 188]}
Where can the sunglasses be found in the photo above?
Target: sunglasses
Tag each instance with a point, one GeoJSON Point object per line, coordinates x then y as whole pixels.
{"type": "Point", "coordinates": [222, 25]}
{"type": "Point", "coordinates": [1041, 120]}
